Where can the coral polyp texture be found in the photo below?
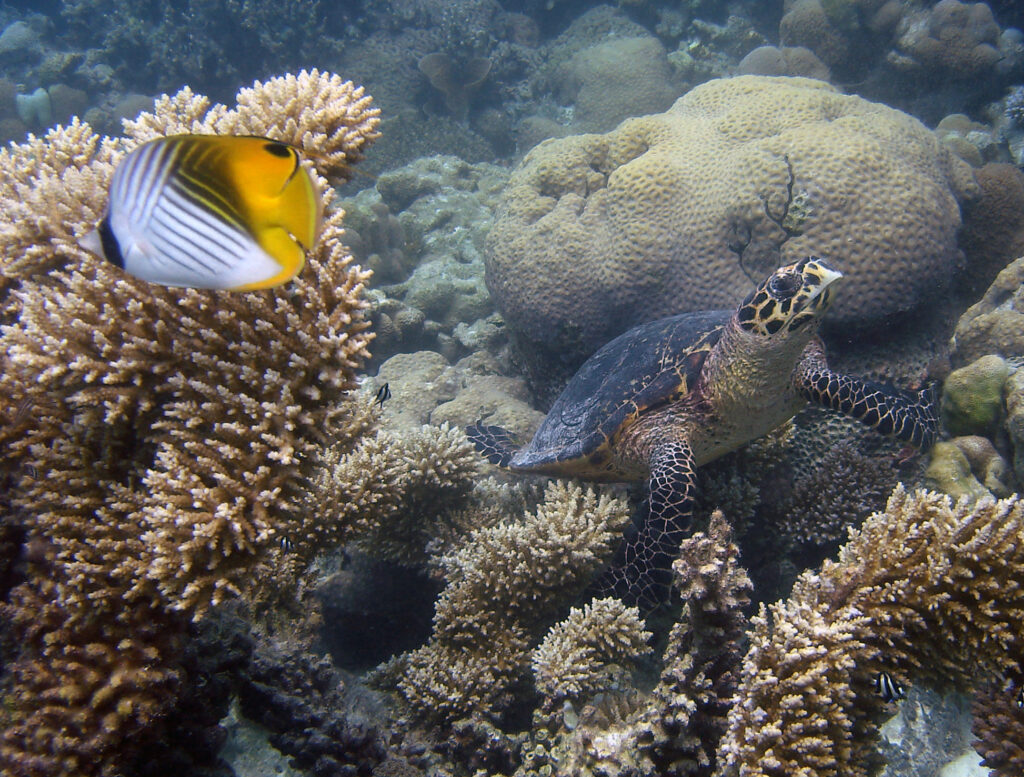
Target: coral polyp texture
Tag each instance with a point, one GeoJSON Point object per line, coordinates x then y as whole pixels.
{"type": "Point", "coordinates": [583, 653]}
{"type": "Point", "coordinates": [928, 591]}
{"type": "Point", "coordinates": [688, 209]}
{"type": "Point", "coordinates": [999, 727]}
{"type": "Point", "coordinates": [162, 460]}
{"type": "Point", "coordinates": [504, 584]}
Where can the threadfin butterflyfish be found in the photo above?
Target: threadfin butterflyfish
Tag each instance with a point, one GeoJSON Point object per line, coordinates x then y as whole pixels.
{"type": "Point", "coordinates": [210, 212]}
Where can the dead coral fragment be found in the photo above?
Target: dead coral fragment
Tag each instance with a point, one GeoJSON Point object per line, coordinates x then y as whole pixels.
{"type": "Point", "coordinates": [926, 588]}
{"type": "Point", "coordinates": [588, 650]}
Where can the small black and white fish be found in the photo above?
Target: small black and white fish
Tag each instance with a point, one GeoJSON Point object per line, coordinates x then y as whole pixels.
{"type": "Point", "coordinates": [210, 212]}
{"type": "Point", "coordinates": [383, 395]}
{"type": "Point", "coordinates": [1020, 698]}
{"type": "Point", "coordinates": [889, 689]}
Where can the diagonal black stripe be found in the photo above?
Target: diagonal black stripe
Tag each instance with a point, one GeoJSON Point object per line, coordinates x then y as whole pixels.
{"type": "Point", "coordinates": [174, 243]}
{"type": "Point", "coordinates": [223, 235]}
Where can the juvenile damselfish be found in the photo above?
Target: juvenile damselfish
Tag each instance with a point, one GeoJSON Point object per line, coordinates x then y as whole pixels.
{"type": "Point", "coordinates": [211, 212]}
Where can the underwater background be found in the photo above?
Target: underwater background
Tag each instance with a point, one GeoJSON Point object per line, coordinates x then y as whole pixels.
{"type": "Point", "coordinates": [245, 533]}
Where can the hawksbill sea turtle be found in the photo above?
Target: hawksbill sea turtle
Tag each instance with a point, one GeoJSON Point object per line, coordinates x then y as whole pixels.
{"type": "Point", "coordinates": [671, 395]}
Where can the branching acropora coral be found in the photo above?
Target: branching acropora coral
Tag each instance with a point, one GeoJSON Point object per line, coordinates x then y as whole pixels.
{"type": "Point", "coordinates": [168, 428]}
{"type": "Point", "coordinates": [701, 662]}
{"type": "Point", "coordinates": [586, 652]}
{"type": "Point", "coordinates": [396, 492]}
{"type": "Point", "coordinates": [674, 729]}
{"type": "Point", "coordinates": [926, 590]}
{"type": "Point", "coordinates": [503, 585]}
{"type": "Point", "coordinates": [999, 726]}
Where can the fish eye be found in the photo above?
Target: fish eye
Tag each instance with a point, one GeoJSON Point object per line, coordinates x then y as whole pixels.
{"type": "Point", "coordinates": [278, 149]}
{"type": "Point", "coordinates": [784, 286]}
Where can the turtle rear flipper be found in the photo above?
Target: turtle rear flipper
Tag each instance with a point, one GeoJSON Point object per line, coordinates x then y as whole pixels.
{"type": "Point", "coordinates": [641, 571]}
{"type": "Point", "coordinates": [495, 444]}
{"type": "Point", "coordinates": [907, 416]}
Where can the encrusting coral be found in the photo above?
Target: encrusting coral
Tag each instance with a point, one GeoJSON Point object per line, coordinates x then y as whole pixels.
{"type": "Point", "coordinates": [168, 428]}
{"type": "Point", "coordinates": [927, 590]}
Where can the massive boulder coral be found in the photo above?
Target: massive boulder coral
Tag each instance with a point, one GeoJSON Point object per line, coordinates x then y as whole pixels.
{"type": "Point", "coordinates": [954, 39]}
{"type": "Point", "coordinates": [995, 323]}
{"type": "Point", "coordinates": [614, 79]}
{"type": "Point", "coordinates": [688, 209]}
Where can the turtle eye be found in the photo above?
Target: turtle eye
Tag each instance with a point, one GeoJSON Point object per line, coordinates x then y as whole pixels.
{"type": "Point", "coordinates": [784, 286]}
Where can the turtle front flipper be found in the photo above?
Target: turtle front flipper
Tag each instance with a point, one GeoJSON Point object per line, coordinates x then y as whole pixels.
{"type": "Point", "coordinates": [907, 416]}
{"type": "Point", "coordinates": [641, 571]}
{"type": "Point", "coordinates": [495, 444]}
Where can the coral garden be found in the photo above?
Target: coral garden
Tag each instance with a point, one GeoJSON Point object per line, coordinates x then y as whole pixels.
{"type": "Point", "coordinates": [244, 533]}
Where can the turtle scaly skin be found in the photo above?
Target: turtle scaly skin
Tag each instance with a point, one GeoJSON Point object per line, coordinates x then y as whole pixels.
{"type": "Point", "coordinates": [908, 418]}
{"type": "Point", "coordinates": [671, 395]}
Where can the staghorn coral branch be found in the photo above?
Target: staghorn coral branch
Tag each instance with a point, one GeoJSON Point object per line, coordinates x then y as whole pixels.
{"type": "Point", "coordinates": [503, 584]}
{"type": "Point", "coordinates": [999, 726]}
{"type": "Point", "coordinates": [582, 653]}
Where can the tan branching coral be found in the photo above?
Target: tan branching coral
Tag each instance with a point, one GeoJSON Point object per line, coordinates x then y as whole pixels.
{"type": "Point", "coordinates": [588, 650]}
{"type": "Point", "coordinates": [331, 120]}
{"type": "Point", "coordinates": [54, 190]}
{"type": "Point", "coordinates": [925, 590]}
{"type": "Point", "coordinates": [999, 726]}
{"type": "Point", "coordinates": [54, 187]}
{"type": "Point", "coordinates": [673, 729]}
{"type": "Point", "coordinates": [168, 430]}
{"type": "Point", "coordinates": [432, 472]}
{"type": "Point", "coordinates": [701, 662]}
{"type": "Point", "coordinates": [503, 585]}
{"type": "Point", "coordinates": [93, 683]}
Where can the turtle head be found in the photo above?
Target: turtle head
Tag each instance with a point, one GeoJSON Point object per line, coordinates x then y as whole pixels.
{"type": "Point", "coordinates": [792, 298]}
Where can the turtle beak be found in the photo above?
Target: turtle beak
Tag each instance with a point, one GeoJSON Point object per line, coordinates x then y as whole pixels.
{"type": "Point", "coordinates": [826, 277]}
